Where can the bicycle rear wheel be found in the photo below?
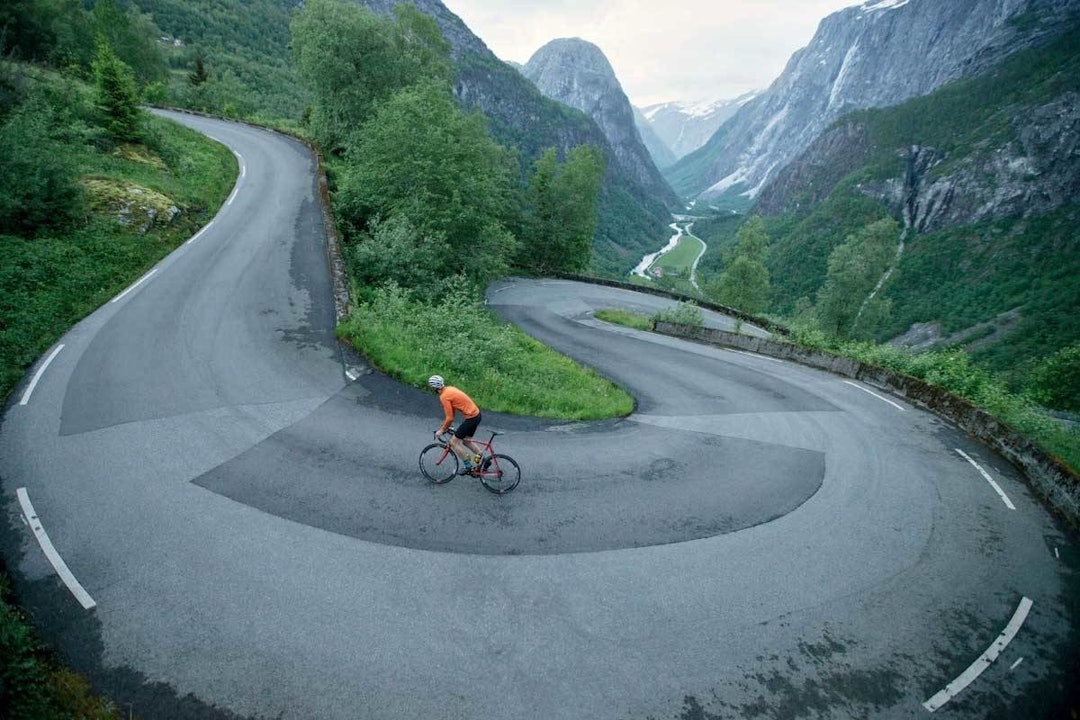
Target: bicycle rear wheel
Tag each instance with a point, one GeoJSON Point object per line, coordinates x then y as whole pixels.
{"type": "Point", "coordinates": [502, 476]}
{"type": "Point", "coordinates": [438, 464]}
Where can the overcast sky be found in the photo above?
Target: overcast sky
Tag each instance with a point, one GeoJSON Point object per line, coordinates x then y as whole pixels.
{"type": "Point", "coordinates": [661, 49]}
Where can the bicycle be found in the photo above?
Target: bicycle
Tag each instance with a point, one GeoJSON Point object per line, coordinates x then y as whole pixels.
{"type": "Point", "coordinates": [497, 472]}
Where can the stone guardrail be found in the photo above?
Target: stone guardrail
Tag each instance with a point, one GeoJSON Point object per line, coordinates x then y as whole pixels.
{"type": "Point", "coordinates": [1052, 479]}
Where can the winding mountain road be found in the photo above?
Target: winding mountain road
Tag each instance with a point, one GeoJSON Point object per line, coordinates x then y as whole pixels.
{"type": "Point", "coordinates": [245, 531]}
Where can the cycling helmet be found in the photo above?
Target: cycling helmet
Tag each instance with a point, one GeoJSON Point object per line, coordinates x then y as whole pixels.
{"type": "Point", "coordinates": [436, 382]}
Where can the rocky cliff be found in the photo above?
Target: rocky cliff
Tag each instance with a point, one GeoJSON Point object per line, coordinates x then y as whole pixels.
{"type": "Point", "coordinates": [944, 177]}
{"type": "Point", "coordinates": [635, 203]}
{"type": "Point", "coordinates": [873, 55]}
{"type": "Point", "coordinates": [577, 73]}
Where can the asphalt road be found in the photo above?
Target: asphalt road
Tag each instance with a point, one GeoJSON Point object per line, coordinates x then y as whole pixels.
{"type": "Point", "coordinates": [249, 535]}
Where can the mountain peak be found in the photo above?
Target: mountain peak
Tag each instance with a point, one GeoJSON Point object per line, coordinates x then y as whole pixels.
{"type": "Point", "coordinates": [577, 73]}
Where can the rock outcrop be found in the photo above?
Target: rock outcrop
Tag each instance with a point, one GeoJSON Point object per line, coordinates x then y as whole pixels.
{"type": "Point", "coordinates": [878, 54]}
{"type": "Point", "coordinates": [577, 73]}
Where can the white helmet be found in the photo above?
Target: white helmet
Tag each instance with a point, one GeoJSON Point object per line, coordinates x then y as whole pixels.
{"type": "Point", "coordinates": [436, 382]}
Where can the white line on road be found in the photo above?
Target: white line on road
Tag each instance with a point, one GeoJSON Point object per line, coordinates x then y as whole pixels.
{"type": "Point", "coordinates": [198, 235]}
{"type": "Point", "coordinates": [871, 392]}
{"type": "Point", "coordinates": [976, 668]}
{"type": "Point", "coordinates": [1016, 664]}
{"type": "Point", "coordinates": [753, 355]}
{"type": "Point", "coordinates": [50, 552]}
{"type": "Point", "coordinates": [138, 282]}
{"type": "Point", "coordinates": [1004, 498]}
{"type": "Point", "coordinates": [38, 374]}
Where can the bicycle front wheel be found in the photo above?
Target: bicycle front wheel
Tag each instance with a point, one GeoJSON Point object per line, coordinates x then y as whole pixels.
{"type": "Point", "coordinates": [502, 476]}
{"type": "Point", "coordinates": [438, 463]}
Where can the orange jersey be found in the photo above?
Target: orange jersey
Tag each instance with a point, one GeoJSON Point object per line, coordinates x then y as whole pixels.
{"type": "Point", "coordinates": [453, 399]}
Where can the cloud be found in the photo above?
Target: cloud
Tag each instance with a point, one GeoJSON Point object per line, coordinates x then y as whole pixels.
{"type": "Point", "coordinates": [674, 50]}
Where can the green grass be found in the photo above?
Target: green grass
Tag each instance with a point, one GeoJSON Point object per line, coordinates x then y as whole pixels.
{"type": "Point", "coordinates": [950, 370]}
{"type": "Point", "coordinates": [502, 368]}
{"type": "Point", "coordinates": [624, 317]}
{"type": "Point", "coordinates": [47, 284]}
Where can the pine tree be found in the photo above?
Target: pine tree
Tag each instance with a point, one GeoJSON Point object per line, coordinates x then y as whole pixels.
{"type": "Point", "coordinates": [117, 97]}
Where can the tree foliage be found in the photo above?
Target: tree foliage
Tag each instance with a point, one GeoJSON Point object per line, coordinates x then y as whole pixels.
{"type": "Point", "coordinates": [117, 96]}
{"type": "Point", "coordinates": [1055, 382]}
{"type": "Point", "coordinates": [744, 283]}
{"type": "Point", "coordinates": [39, 189]}
{"type": "Point", "coordinates": [560, 214]}
{"type": "Point", "coordinates": [353, 58]}
{"type": "Point", "coordinates": [423, 159]}
{"type": "Point", "coordinates": [854, 269]}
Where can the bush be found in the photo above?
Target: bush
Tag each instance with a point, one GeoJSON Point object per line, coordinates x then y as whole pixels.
{"type": "Point", "coordinates": [502, 368]}
{"type": "Point", "coordinates": [39, 189]}
{"type": "Point", "coordinates": [1055, 382]}
{"type": "Point", "coordinates": [685, 313]}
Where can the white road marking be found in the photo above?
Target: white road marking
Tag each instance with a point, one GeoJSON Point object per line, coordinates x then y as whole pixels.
{"type": "Point", "coordinates": [243, 167]}
{"type": "Point", "coordinates": [37, 376]}
{"type": "Point", "coordinates": [976, 668]}
{"type": "Point", "coordinates": [50, 552]}
{"type": "Point", "coordinates": [871, 392]}
{"type": "Point", "coordinates": [198, 235]}
{"type": "Point", "coordinates": [138, 282]}
{"type": "Point", "coordinates": [1015, 664]}
{"type": "Point", "coordinates": [1004, 498]}
{"type": "Point", "coordinates": [762, 357]}
{"type": "Point", "coordinates": [1057, 554]}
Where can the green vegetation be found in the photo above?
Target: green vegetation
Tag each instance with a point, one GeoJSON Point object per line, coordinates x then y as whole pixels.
{"type": "Point", "coordinates": [73, 156]}
{"type": "Point", "coordinates": [503, 369]}
{"type": "Point", "coordinates": [624, 317]}
{"type": "Point", "coordinates": [953, 370]}
{"type": "Point", "coordinates": [744, 282]}
{"type": "Point", "coordinates": [431, 209]}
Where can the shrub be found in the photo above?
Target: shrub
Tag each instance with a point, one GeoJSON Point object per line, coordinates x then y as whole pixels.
{"type": "Point", "coordinates": [685, 313]}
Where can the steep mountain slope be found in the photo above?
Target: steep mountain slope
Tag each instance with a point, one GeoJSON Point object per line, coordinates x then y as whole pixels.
{"type": "Point", "coordinates": [250, 40]}
{"type": "Point", "coordinates": [874, 55]}
{"type": "Point", "coordinates": [661, 154]}
{"type": "Point", "coordinates": [576, 73]}
{"type": "Point", "coordinates": [984, 176]}
{"type": "Point", "coordinates": [684, 127]}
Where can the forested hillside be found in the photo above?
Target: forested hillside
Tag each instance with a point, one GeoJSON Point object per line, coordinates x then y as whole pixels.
{"type": "Point", "coordinates": [979, 181]}
{"type": "Point", "coordinates": [233, 58]}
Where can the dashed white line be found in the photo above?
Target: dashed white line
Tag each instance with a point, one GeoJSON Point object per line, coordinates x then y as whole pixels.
{"type": "Point", "coordinates": [138, 282]}
{"type": "Point", "coordinates": [976, 668]}
{"type": "Point", "coordinates": [871, 392]}
{"type": "Point", "coordinates": [997, 488]}
{"type": "Point", "coordinates": [1016, 664]}
{"type": "Point", "coordinates": [50, 552]}
{"type": "Point", "coordinates": [37, 376]}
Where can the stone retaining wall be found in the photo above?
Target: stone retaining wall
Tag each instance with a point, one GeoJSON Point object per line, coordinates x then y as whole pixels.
{"type": "Point", "coordinates": [1054, 481]}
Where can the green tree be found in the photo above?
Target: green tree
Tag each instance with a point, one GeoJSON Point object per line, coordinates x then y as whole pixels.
{"type": "Point", "coordinates": [198, 75]}
{"type": "Point", "coordinates": [39, 188]}
{"type": "Point", "coordinates": [117, 97]}
{"type": "Point", "coordinates": [854, 269]}
{"type": "Point", "coordinates": [1055, 382]}
{"type": "Point", "coordinates": [132, 37]}
{"type": "Point", "coordinates": [744, 283]}
{"type": "Point", "coordinates": [353, 58]}
{"type": "Point", "coordinates": [561, 210]}
{"type": "Point", "coordinates": [421, 157]}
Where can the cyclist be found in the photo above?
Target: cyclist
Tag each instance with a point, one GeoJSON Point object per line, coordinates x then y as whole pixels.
{"type": "Point", "coordinates": [461, 442]}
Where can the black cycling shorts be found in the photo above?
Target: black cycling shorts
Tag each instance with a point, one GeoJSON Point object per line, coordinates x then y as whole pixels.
{"type": "Point", "coordinates": [467, 427]}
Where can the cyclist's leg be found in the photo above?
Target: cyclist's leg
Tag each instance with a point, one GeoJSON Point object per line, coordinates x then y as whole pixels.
{"type": "Point", "coordinates": [465, 432]}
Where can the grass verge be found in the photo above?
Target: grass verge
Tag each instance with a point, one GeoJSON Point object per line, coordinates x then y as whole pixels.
{"type": "Point", "coordinates": [502, 368]}
{"type": "Point", "coordinates": [47, 285]}
{"type": "Point", "coordinates": [950, 370]}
